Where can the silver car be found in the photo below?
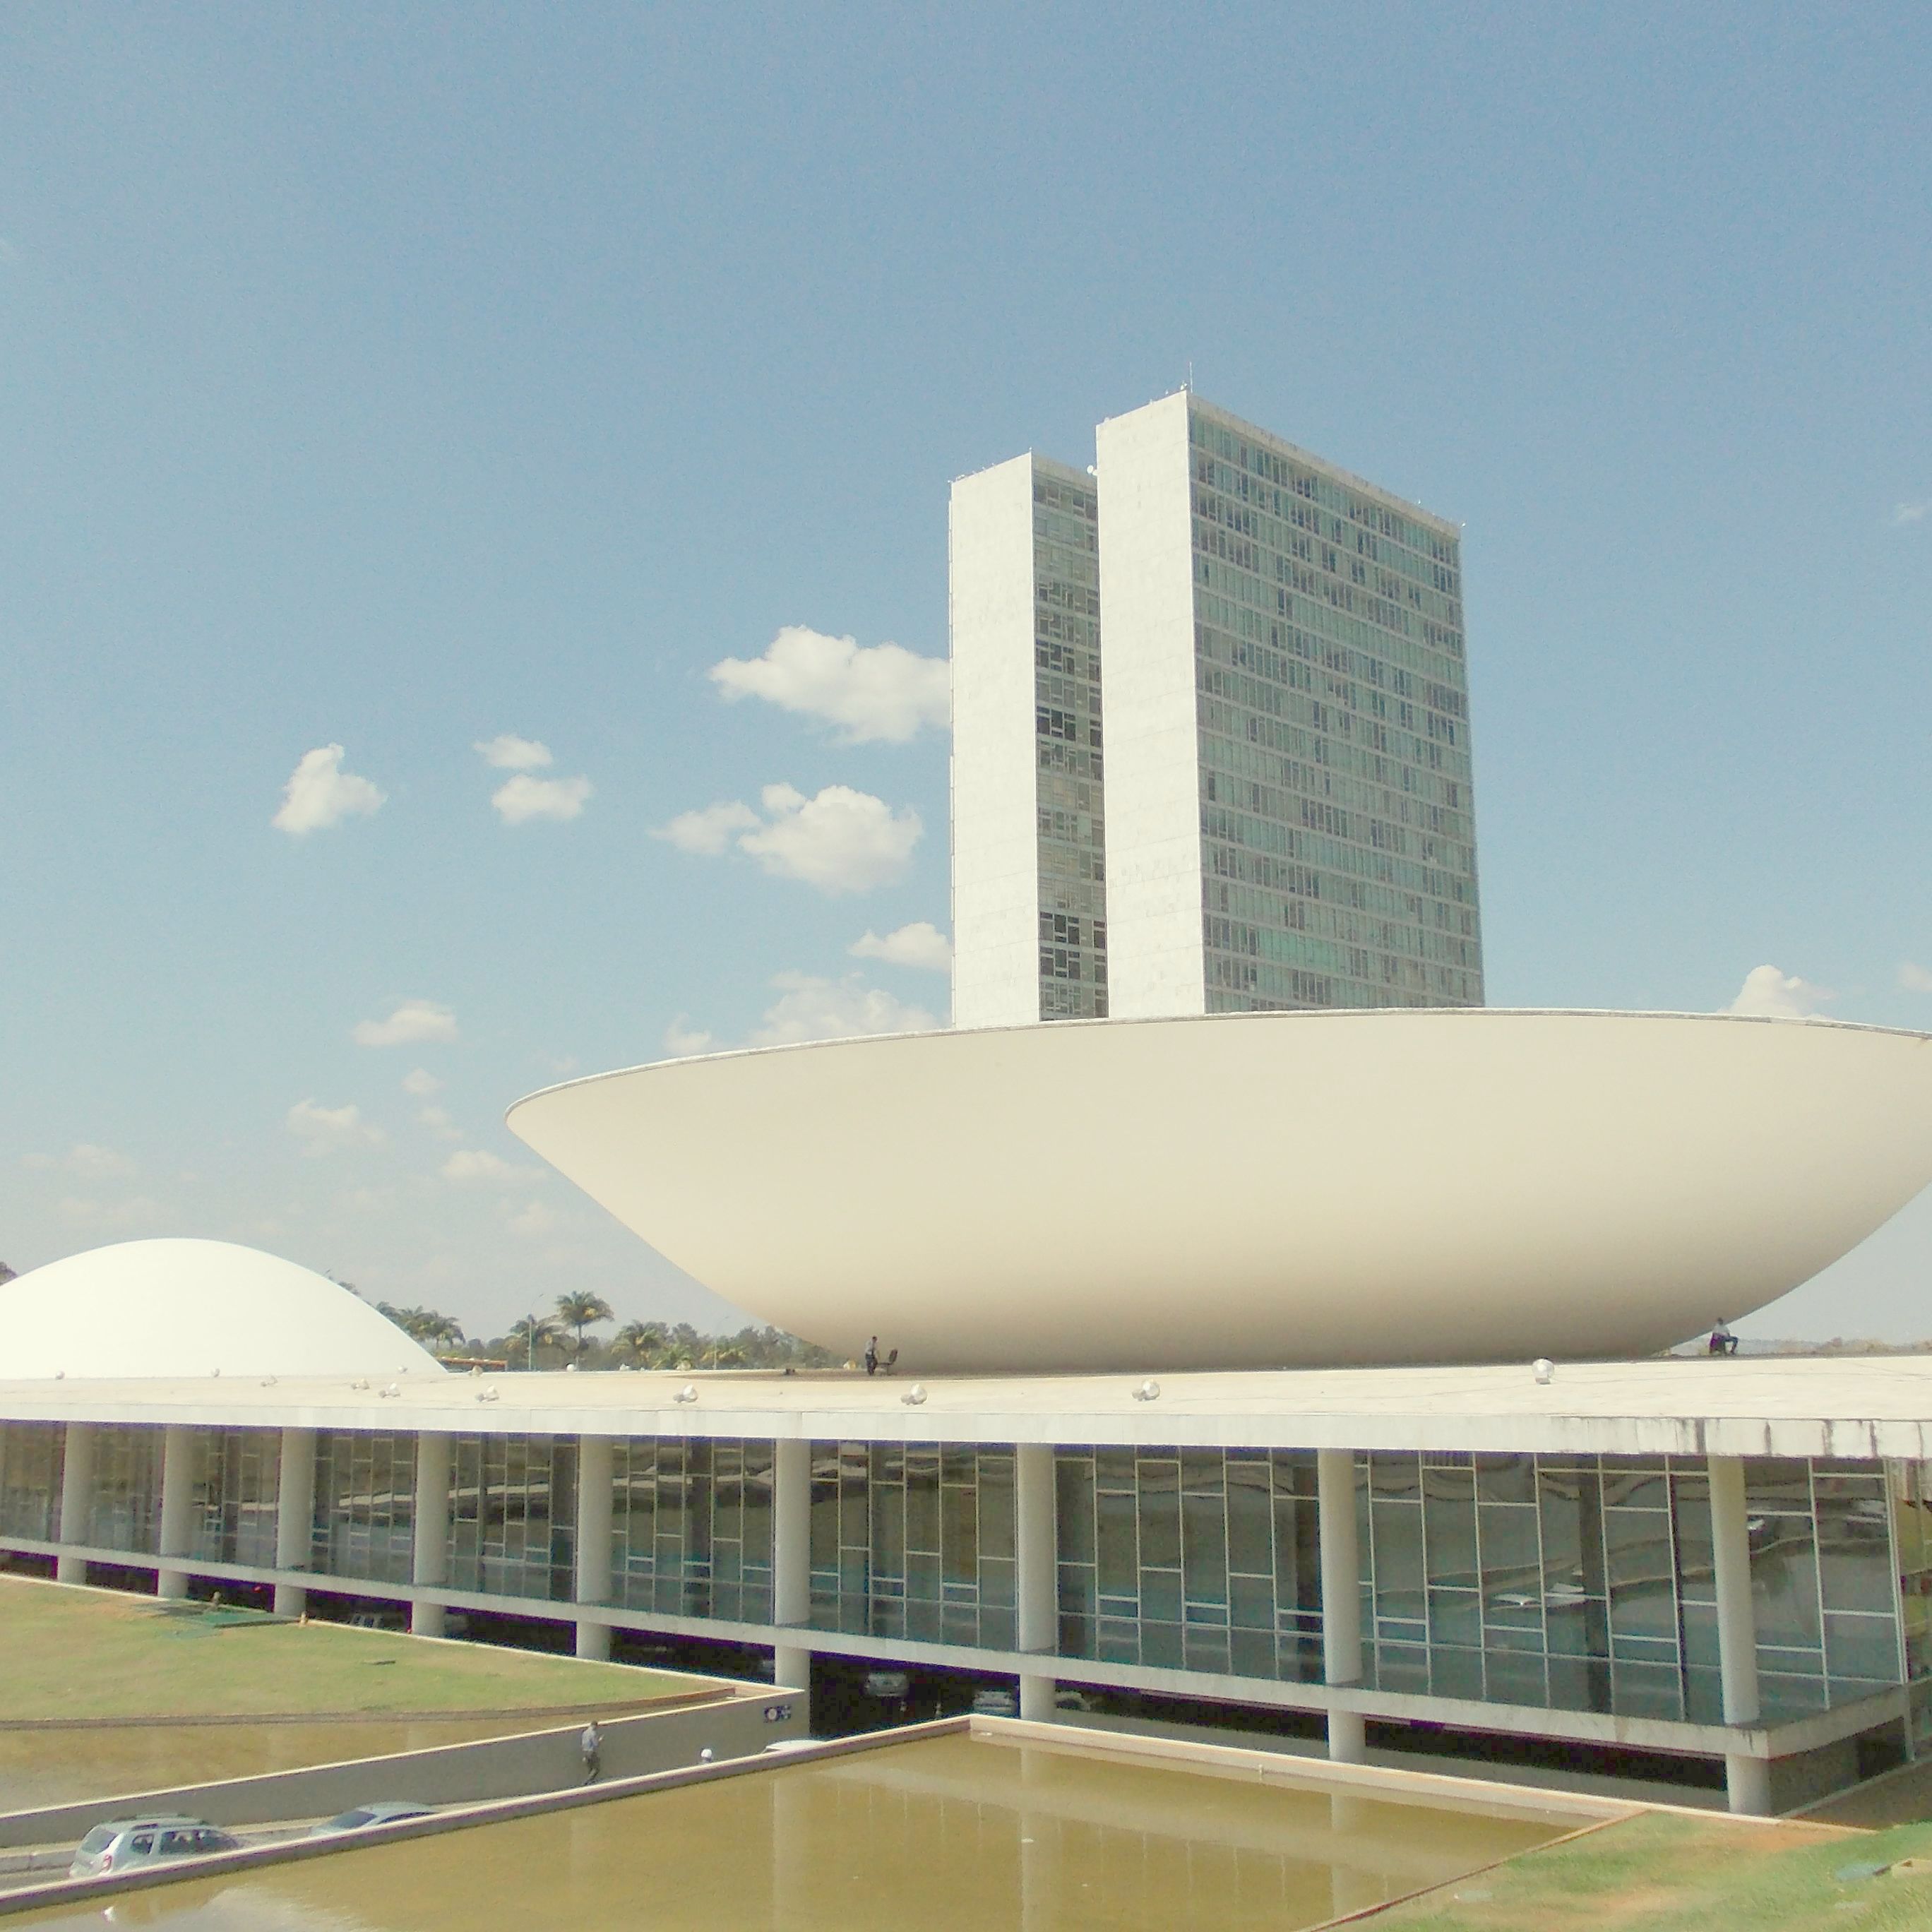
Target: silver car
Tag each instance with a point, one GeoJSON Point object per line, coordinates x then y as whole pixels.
{"type": "Point", "coordinates": [129, 1843]}
{"type": "Point", "coordinates": [386, 1812]}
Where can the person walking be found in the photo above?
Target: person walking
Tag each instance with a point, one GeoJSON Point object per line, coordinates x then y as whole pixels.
{"type": "Point", "coordinates": [591, 1745]}
{"type": "Point", "coordinates": [872, 1356]}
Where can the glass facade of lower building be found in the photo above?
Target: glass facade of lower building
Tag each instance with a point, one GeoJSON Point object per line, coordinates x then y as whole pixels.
{"type": "Point", "coordinates": [1586, 1582]}
{"type": "Point", "coordinates": [1196, 1559]}
{"type": "Point", "coordinates": [691, 1527]}
{"type": "Point", "coordinates": [513, 1516]}
{"type": "Point", "coordinates": [33, 1461]}
{"type": "Point", "coordinates": [1911, 1484]}
{"type": "Point", "coordinates": [1580, 1583]}
{"type": "Point", "coordinates": [913, 1539]}
{"type": "Point", "coordinates": [125, 1496]}
{"type": "Point", "coordinates": [238, 1479]}
{"type": "Point", "coordinates": [365, 1504]}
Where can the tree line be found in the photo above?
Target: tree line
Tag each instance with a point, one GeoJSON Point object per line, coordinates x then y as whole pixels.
{"type": "Point", "coordinates": [562, 1337]}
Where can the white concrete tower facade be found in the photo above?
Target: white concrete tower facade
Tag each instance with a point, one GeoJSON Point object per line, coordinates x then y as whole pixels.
{"type": "Point", "coordinates": [1029, 853]}
{"type": "Point", "coordinates": [1289, 816]}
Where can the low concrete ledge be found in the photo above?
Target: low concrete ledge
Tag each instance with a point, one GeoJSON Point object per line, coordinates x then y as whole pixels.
{"type": "Point", "coordinates": [85, 1891]}
{"type": "Point", "coordinates": [525, 1763]}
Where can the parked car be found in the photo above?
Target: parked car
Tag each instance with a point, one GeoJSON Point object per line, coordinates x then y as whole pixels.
{"type": "Point", "coordinates": [386, 1812]}
{"type": "Point", "coordinates": [127, 1843]}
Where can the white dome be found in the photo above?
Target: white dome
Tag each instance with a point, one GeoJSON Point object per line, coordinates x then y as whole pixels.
{"type": "Point", "coordinates": [192, 1308]}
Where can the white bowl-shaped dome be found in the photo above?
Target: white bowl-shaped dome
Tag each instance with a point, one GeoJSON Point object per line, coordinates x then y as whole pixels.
{"type": "Point", "coordinates": [1261, 1189]}
{"type": "Point", "coordinates": [192, 1308]}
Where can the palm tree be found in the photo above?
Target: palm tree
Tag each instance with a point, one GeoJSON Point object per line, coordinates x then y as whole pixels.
{"type": "Point", "coordinates": [581, 1310]}
{"type": "Point", "coordinates": [534, 1331]}
{"type": "Point", "coordinates": [442, 1330]}
{"type": "Point", "coordinates": [643, 1342]}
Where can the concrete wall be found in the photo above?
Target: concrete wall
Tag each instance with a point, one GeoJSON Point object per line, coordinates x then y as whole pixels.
{"type": "Point", "coordinates": [1155, 965]}
{"type": "Point", "coordinates": [466, 1773]}
{"type": "Point", "coordinates": [995, 841]}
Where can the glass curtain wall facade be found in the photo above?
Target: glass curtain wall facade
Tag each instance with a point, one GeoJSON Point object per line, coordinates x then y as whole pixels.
{"type": "Point", "coordinates": [913, 1540]}
{"type": "Point", "coordinates": [1587, 1582]}
{"type": "Point", "coordinates": [238, 1480]}
{"type": "Point", "coordinates": [1338, 833]}
{"type": "Point", "coordinates": [125, 1503]}
{"type": "Point", "coordinates": [1070, 775]}
{"type": "Point", "coordinates": [691, 1527]}
{"type": "Point", "coordinates": [1911, 1486]}
{"type": "Point", "coordinates": [365, 1504]}
{"type": "Point", "coordinates": [513, 1516]}
{"type": "Point", "coordinates": [1194, 1559]}
{"type": "Point", "coordinates": [33, 1460]}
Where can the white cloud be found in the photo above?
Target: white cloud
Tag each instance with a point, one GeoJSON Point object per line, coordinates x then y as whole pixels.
{"type": "Point", "coordinates": [1912, 513]}
{"type": "Point", "coordinates": [871, 693]}
{"type": "Point", "coordinates": [524, 798]}
{"type": "Point", "coordinates": [840, 840]}
{"type": "Point", "coordinates": [85, 1159]}
{"type": "Point", "coordinates": [707, 832]}
{"type": "Point", "coordinates": [437, 1119]}
{"type": "Point", "coordinates": [921, 944]}
{"type": "Point", "coordinates": [811, 1008]}
{"type": "Point", "coordinates": [479, 1164]}
{"type": "Point", "coordinates": [422, 1083]}
{"type": "Point", "coordinates": [320, 794]}
{"type": "Point", "coordinates": [1915, 979]}
{"type": "Point", "coordinates": [509, 753]}
{"type": "Point", "coordinates": [532, 1220]}
{"type": "Point", "coordinates": [1768, 994]}
{"type": "Point", "coordinates": [323, 1130]}
{"type": "Point", "coordinates": [681, 1040]}
{"type": "Point", "coordinates": [413, 1023]}
{"type": "Point", "coordinates": [143, 1211]}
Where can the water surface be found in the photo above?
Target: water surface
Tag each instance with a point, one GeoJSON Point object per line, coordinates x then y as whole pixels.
{"type": "Point", "coordinates": [944, 1834]}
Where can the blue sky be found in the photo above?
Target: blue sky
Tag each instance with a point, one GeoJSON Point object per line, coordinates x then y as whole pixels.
{"type": "Point", "coordinates": [403, 380]}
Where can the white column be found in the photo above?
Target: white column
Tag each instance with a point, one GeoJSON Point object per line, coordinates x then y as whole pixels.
{"type": "Point", "coordinates": [594, 1472]}
{"type": "Point", "coordinates": [1746, 1778]}
{"type": "Point", "coordinates": [77, 1500]}
{"type": "Point", "coordinates": [431, 1543]}
{"type": "Point", "coordinates": [294, 1517]}
{"type": "Point", "coordinates": [180, 1465]}
{"type": "Point", "coordinates": [1036, 1588]}
{"type": "Point", "coordinates": [1341, 1594]}
{"type": "Point", "coordinates": [791, 1558]}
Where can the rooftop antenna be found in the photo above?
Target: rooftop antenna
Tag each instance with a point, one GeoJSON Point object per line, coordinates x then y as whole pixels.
{"type": "Point", "coordinates": [1190, 375]}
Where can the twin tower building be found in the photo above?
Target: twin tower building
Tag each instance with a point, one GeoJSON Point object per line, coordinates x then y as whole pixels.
{"type": "Point", "coordinates": [1210, 734]}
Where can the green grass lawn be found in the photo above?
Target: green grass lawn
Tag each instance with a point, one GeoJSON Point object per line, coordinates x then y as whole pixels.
{"type": "Point", "coordinates": [71, 1653]}
{"type": "Point", "coordinates": [1665, 1873]}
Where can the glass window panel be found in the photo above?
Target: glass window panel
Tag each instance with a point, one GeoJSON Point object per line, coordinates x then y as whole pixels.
{"type": "Point", "coordinates": [1073, 1486]}
{"type": "Point", "coordinates": [1397, 1529]}
{"type": "Point", "coordinates": [1449, 1534]}
{"type": "Point", "coordinates": [1855, 1564]}
{"type": "Point", "coordinates": [1395, 1473]}
{"type": "Point", "coordinates": [1204, 1548]}
{"type": "Point", "coordinates": [1784, 1581]}
{"type": "Point", "coordinates": [959, 1534]}
{"type": "Point", "coordinates": [1456, 1617]}
{"type": "Point", "coordinates": [997, 1526]}
{"type": "Point", "coordinates": [1776, 1486]}
{"type": "Point", "coordinates": [1635, 1482]}
{"type": "Point", "coordinates": [1250, 1540]}
{"type": "Point", "coordinates": [1160, 1515]}
{"type": "Point", "coordinates": [1864, 1648]}
{"type": "Point", "coordinates": [1506, 1479]}
{"type": "Point", "coordinates": [921, 1503]}
{"type": "Point", "coordinates": [1160, 1595]}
